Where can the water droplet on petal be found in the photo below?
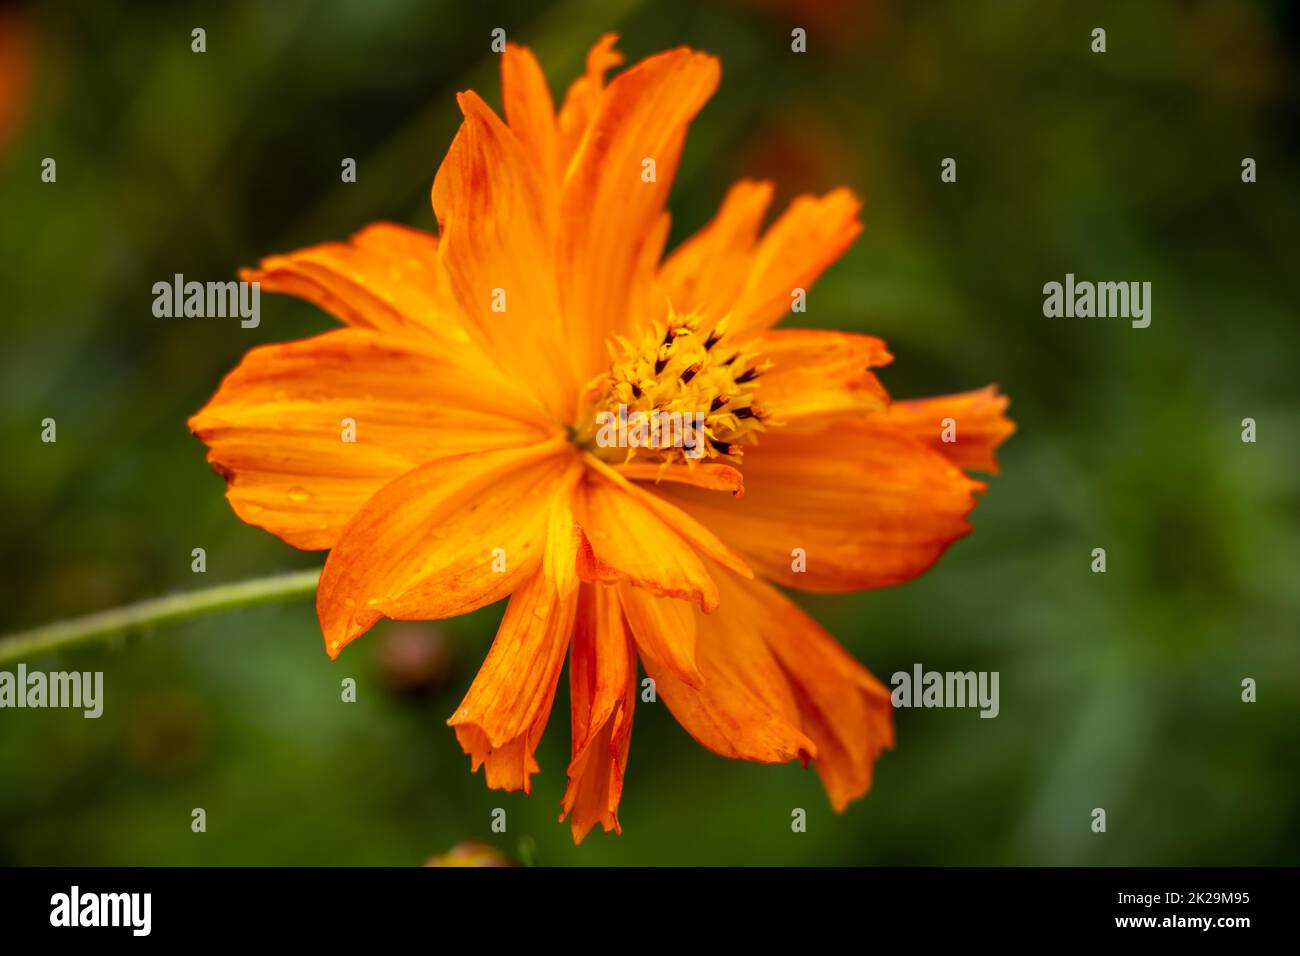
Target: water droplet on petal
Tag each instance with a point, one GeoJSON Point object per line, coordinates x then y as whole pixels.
{"type": "Point", "coordinates": [298, 493]}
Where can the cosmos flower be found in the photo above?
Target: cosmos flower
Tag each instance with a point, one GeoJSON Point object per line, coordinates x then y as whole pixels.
{"type": "Point", "coordinates": [473, 370]}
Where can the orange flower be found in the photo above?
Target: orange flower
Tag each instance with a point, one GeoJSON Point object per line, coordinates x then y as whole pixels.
{"type": "Point", "coordinates": [477, 366]}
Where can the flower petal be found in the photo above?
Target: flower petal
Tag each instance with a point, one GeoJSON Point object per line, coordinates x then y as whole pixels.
{"type": "Point", "coordinates": [867, 504]}
{"type": "Point", "coordinates": [275, 428]}
{"type": "Point", "coordinates": [497, 222]}
{"type": "Point", "coordinates": [744, 707]}
{"type": "Point", "coordinates": [709, 271]}
{"type": "Point", "coordinates": [583, 96]}
{"type": "Point", "coordinates": [530, 110]}
{"type": "Point", "coordinates": [612, 216]}
{"type": "Point", "coordinates": [628, 541]}
{"type": "Point", "coordinates": [979, 425]}
{"type": "Point", "coordinates": [714, 476]}
{"type": "Point", "coordinates": [842, 707]}
{"type": "Point", "coordinates": [423, 547]}
{"type": "Point", "coordinates": [686, 527]}
{"type": "Point", "coordinates": [384, 277]}
{"type": "Point", "coordinates": [664, 629]}
{"type": "Point", "coordinates": [817, 375]}
{"type": "Point", "coordinates": [723, 270]}
{"type": "Point", "coordinates": [506, 709]}
{"type": "Point", "coordinates": [602, 681]}
{"type": "Point", "coordinates": [799, 246]}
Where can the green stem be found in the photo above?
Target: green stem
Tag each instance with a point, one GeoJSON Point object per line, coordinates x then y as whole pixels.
{"type": "Point", "coordinates": [163, 610]}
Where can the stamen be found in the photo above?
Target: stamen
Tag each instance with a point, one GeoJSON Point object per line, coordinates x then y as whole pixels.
{"type": "Point", "coordinates": [670, 389]}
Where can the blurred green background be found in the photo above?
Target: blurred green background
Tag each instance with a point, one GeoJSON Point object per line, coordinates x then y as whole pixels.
{"type": "Point", "coordinates": [1119, 690]}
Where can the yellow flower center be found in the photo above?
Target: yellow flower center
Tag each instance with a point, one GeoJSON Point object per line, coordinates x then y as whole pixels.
{"type": "Point", "coordinates": [682, 393]}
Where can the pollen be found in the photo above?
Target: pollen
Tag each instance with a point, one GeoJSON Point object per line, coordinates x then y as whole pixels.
{"type": "Point", "coordinates": [682, 392]}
